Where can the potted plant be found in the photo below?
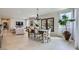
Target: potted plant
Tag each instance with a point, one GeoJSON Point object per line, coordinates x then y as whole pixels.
{"type": "Point", "coordinates": [63, 22]}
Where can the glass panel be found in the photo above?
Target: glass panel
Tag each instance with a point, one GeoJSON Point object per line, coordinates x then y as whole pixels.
{"type": "Point", "coordinates": [69, 24]}
{"type": "Point", "coordinates": [68, 14]}
{"type": "Point", "coordinates": [50, 24]}
{"type": "Point", "coordinates": [43, 24]}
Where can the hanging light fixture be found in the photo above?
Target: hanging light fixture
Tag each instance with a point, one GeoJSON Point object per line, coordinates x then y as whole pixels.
{"type": "Point", "coordinates": [37, 17]}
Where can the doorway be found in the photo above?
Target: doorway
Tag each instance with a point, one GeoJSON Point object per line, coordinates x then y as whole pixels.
{"type": "Point", "coordinates": [5, 25]}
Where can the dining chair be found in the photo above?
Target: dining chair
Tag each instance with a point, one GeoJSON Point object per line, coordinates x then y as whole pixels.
{"type": "Point", "coordinates": [47, 35]}
{"type": "Point", "coordinates": [37, 35]}
{"type": "Point", "coordinates": [30, 33]}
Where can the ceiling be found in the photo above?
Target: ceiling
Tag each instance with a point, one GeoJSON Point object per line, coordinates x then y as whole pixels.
{"type": "Point", "coordinates": [25, 12]}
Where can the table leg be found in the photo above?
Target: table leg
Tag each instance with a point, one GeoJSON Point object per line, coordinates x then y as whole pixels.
{"type": "Point", "coordinates": [34, 36]}
{"type": "Point", "coordinates": [42, 38]}
{"type": "Point", "coordinates": [28, 34]}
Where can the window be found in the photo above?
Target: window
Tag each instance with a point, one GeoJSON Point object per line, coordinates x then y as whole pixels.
{"type": "Point", "coordinates": [68, 14]}
{"type": "Point", "coordinates": [69, 24]}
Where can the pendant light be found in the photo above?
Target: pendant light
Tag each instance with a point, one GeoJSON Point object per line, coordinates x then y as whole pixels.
{"type": "Point", "coordinates": [37, 17]}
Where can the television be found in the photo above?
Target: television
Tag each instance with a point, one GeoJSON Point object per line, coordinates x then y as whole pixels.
{"type": "Point", "coordinates": [18, 23]}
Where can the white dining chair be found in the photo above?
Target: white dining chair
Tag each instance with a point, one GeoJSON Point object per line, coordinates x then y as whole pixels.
{"type": "Point", "coordinates": [47, 35]}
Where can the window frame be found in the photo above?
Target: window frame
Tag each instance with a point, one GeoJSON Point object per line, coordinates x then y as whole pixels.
{"type": "Point", "coordinates": [71, 10]}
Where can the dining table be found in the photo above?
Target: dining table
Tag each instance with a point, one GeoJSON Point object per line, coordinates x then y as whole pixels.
{"type": "Point", "coordinates": [41, 32]}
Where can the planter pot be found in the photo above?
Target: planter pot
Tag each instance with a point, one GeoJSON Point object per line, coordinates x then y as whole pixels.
{"type": "Point", "coordinates": [67, 35]}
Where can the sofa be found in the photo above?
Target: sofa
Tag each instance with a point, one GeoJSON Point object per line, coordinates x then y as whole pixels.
{"type": "Point", "coordinates": [19, 30]}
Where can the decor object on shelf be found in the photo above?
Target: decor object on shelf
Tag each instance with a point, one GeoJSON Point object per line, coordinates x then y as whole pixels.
{"type": "Point", "coordinates": [63, 22]}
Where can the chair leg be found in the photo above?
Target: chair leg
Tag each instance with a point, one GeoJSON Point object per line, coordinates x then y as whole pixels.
{"type": "Point", "coordinates": [45, 40]}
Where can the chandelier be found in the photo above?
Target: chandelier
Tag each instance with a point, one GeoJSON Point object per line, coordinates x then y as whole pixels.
{"type": "Point", "coordinates": [37, 16]}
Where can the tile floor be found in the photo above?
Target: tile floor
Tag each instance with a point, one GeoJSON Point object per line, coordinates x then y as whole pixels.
{"type": "Point", "coordinates": [21, 42]}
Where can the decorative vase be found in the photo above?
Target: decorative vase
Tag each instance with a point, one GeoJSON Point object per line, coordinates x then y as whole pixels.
{"type": "Point", "coordinates": [67, 35]}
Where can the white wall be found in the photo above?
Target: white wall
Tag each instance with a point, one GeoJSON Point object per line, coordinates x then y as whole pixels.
{"type": "Point", "coordinates": [27, 22]}
{"type": "Point", "coordinates": [13, 23]}
{"type": "Point", "coordinates": [0, 20]}
{"type": "Point", "coordinates": [76, 31]}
